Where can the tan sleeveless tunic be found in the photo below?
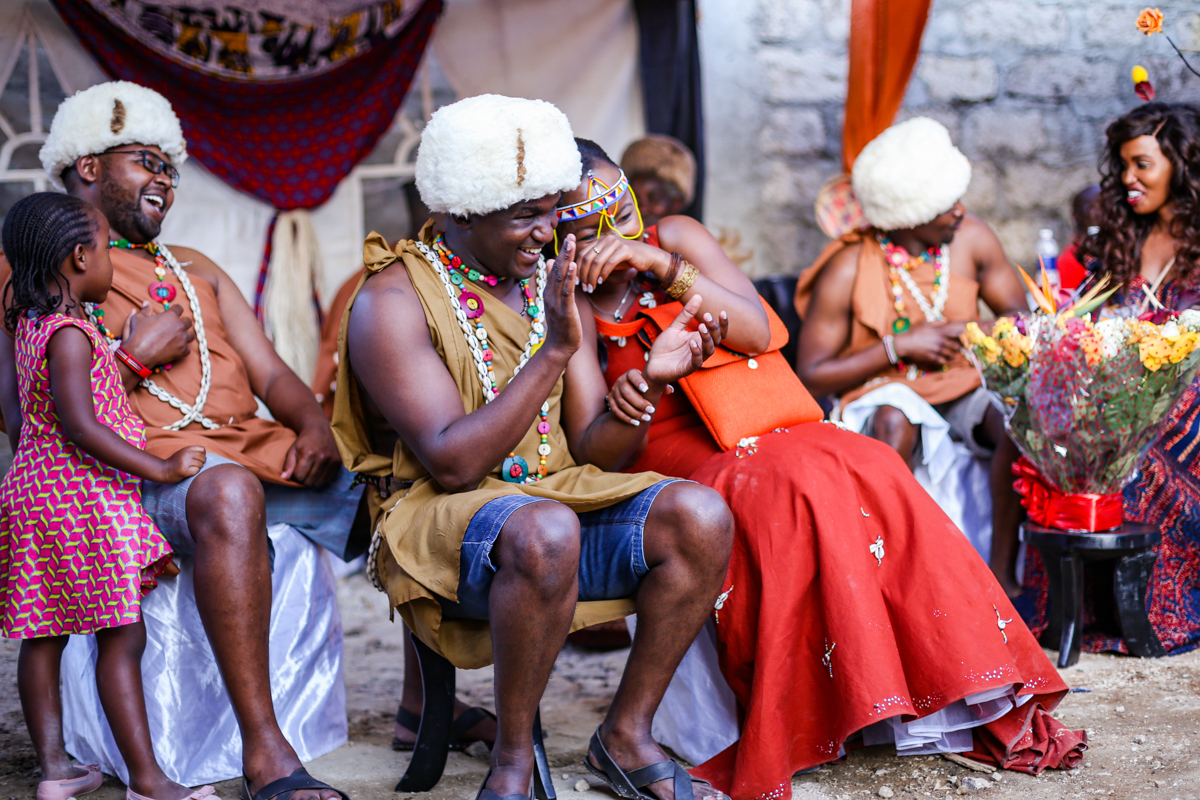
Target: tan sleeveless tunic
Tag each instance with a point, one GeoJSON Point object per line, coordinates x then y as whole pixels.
{"type": "Point", "coordinates": [424, 525]}
{"type": "Point", "coordinates": [873, 313]}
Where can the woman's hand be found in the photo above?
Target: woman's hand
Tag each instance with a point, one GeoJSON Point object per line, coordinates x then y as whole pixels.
{"type": "Point", "coordinates": [564, 332]}
{"type": "Point", "coordinates": [609, 252]}
{"type": "Point", "coordinates": [626, 398]}
{"type": "Point", "coordinates": [677, 351]}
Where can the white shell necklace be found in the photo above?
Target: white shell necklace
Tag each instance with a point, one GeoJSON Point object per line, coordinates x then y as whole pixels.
{"type": "Point", "coordinates": [195, 411]}
{"type": "Point", "coordinates": [474, 335]}
{"type": "Point", "coordinates": [933, 313]}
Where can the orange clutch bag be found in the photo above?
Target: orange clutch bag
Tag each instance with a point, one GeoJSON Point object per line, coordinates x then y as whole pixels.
{"type": "Point", "coordinates": [737, 395]}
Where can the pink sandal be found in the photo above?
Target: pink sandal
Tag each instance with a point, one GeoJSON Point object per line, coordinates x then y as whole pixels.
{"type": "Point", "coordinates": [71, 787]}
{"type": "Point", "coordinates": [199, 794]}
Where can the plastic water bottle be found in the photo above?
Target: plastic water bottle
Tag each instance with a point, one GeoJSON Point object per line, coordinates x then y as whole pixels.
{"type": "Point", "coordinates": [1047, 250]}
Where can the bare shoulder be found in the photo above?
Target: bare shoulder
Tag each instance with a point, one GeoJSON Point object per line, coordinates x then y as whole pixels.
{"type": "Point", "coordinates": [979, 243]}
{"type": "Point", "coordinates": [196, 263]}
{"type": "Point", "coordinates": [840, 271]}
{"type": "Point", "coordinates": [977, 235]}
{"type": "Point", "coordinates": [386, 300]}
{"type": "Point", "coordinates": [675, 233]}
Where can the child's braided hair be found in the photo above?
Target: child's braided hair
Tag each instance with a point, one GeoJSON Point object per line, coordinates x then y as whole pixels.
{"type": "Point", "coordinates": [40, 231]}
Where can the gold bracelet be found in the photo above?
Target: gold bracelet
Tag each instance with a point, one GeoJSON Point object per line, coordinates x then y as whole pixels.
{"type": "Point", "coordinates": [687, 276]}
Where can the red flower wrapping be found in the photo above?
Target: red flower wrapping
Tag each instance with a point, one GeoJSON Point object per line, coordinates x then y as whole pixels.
{"type": "Point", "coordinates": [1068, 512]}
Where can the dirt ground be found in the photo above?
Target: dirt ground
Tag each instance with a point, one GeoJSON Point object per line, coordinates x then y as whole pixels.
{"type": "Point", "coordinates": [1141, 716]}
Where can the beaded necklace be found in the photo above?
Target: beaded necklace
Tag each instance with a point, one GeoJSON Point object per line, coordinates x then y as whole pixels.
{"type": "Point", "coordinates": [163, 256]}
{"type": "Point", "coordinates": [899, 265]}
{"type": "Point", "coordinates": [469, 309]}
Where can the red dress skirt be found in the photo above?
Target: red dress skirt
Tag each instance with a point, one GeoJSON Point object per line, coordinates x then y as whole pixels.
{"type": "Point", "coordinates": [850, 599]}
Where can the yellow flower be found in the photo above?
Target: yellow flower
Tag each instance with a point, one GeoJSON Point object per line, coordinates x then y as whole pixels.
{"type": "Point", "coordinates": [1093, 348]}
{"type": "Point", "coordinates": [973, 335]}
{"type": "Point", "coordinates": [1150, 21]}
{"type": "Point", "coordinates": [1154, 351]}
{"type": "Point", "coordinates": [1139, 74]}
{"type": "Point", "coordinates": [991, 350]}
{"type": "Point", "coordinates": [1003, 324]}
{"type": "Point", "coordinates": [1140, 329]}
{"type": "Point", "coordinates": [1182, 346]}
{"type": "Point", "coordinates": [1014, 354]}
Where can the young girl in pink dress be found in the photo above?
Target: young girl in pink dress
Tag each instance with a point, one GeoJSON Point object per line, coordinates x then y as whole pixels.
{"type": "Point", "coordinates": [77, 550]}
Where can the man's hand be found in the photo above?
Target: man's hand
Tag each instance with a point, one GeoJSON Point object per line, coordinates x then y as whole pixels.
{"type": "Point", "coordinates": [562, 316]}
{"type": "Point", "coordinates": [156, 338]}
{"type": "Point", "coordinates": [930, 345]}
{"type": "Point", "coordinates": [314, 458]}
{"type": "Point", "coordinates": [677, 351]}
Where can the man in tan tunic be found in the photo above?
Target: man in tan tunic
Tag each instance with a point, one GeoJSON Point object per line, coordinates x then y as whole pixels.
{"type": "Point", "coordinates": [116, 145]}
{"type": "Point", "coordinates": [883, 311]}
{"type": "Point", "coordinates": [469, 386]}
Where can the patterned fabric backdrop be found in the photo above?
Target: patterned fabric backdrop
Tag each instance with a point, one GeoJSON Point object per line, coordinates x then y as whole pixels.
{"type": "Point", "coordinates": [287, 141]}
{"type": "Point", "coordinates": [241, 42]}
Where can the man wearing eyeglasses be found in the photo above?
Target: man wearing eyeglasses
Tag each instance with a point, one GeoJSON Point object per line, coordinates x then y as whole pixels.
{"type": "Point", "coordinates": [193, 358]}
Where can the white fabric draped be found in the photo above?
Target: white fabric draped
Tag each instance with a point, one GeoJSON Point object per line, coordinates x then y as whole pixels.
{"type": "Point", "coordinates": [195, 735]}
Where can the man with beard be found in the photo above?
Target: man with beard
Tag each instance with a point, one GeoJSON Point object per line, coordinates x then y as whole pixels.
{"type": "Point", "coordinates": [884, 308]}
{"type": "Point", "coordinates": [117, 145]}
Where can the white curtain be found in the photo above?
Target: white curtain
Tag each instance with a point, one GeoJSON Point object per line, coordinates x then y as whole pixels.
{"type": "Point", "coordinates": [581, 55]}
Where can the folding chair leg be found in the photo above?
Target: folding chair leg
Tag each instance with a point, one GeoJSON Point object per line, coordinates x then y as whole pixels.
{"type": "Point", "coordinates": [543, 781]}
{"type": "Point", "coordinates": [437, 715]}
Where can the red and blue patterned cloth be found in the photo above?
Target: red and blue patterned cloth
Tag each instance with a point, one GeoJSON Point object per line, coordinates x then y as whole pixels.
{"type": "Point", "coordinates": [287, 141]}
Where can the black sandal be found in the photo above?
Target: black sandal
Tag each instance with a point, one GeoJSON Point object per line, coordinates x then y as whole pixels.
{"type": "Point", "coordinates": [283, 788]}
{"type": "Point", "coordinates": [629, 784]}
{"type": "Point", "coordinates": [487, 794]}
{"type": "Point", "coordinates": [458, 729]}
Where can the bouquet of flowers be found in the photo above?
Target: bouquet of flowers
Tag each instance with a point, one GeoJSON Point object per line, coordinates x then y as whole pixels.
{"type": "Point", "coordinates": [1082, 399]}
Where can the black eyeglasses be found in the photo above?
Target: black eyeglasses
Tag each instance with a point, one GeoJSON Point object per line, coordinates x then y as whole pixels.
{"type": "Point", "coordinates": [151, 162]}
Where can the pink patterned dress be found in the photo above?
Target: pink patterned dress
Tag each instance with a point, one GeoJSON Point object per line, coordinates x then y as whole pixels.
{"type": "Point", "coordinates": [77, 550]}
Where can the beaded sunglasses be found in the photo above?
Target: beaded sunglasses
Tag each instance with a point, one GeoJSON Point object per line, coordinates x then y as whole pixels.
{"type": "Point", "coordinates": [605, 200]}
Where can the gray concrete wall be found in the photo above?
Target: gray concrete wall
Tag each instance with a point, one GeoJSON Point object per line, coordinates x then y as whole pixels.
{"type": "Point", "coordinates": [1026, 89]}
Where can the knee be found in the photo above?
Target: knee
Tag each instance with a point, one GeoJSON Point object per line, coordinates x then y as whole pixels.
{"type": "Point", "coordinates": [541, 542]}
{"type": "Point", "coordinates": [698, 523]}
{"type": "Point", "coordinates": [226, 501]}
{"type": "Point", "coordinates": [124, 641]}
{"type": "Point", "coordinates": [891, 426]}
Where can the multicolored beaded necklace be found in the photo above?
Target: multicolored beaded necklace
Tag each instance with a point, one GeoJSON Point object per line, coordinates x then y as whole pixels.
{"type": "Point", "coordinates": [160, 290]}
{"type": "Point", "coordinates": [449, 267]}
{"type": "Point", "coordinates": [900, 263]}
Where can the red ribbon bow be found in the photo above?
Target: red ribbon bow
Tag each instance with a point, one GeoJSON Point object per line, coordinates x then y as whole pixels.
{"type": "Point", "coordinates": [1068, 512]}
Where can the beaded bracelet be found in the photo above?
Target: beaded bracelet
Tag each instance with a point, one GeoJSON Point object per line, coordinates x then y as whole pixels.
{"type": "Point", "coordinates": [140, 369]}
{"type": "Point", "coordinates": [679, 286]}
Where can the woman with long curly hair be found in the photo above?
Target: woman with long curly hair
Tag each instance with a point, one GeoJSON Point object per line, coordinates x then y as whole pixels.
{"type": "Point", "coordinates": [1149, 244]}
{"type": "Point", "coordinates": [1149, 204]}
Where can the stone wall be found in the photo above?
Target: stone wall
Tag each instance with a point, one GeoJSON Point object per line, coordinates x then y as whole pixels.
{"type": "Point", "coordinates": [1026, 89]}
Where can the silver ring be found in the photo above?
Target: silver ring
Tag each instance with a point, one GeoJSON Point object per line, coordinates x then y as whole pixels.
{"type": "Point", "coordinates": [596, 249]}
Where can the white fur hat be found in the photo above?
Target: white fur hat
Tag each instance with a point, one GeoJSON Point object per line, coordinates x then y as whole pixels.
{"type": "Point", "coordinates": [486, 153]}
{"type": "Point", "coordinates": [909, 174]}
{"type": "Point", "coordinates": [108, 115]}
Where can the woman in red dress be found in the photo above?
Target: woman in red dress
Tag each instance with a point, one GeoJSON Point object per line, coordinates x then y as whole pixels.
{"type": "Point", "coordinates": [852, 603]}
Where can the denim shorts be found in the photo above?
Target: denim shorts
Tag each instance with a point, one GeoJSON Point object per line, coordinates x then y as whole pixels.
{"type": "Point", "coordinates": [326, 516]}
{"type": "Point", "coordinates": [611, 559]}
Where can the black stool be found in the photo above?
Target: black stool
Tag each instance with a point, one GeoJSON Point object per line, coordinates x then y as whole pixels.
{"type": "Point", "coordinates": [1064, 555]}
{"type": "Point", "coordinates": [433, 736]}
